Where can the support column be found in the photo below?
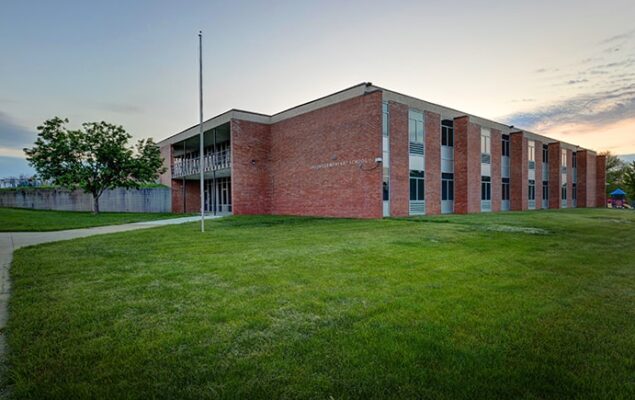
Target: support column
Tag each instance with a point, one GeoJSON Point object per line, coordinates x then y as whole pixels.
{"type": "Point", "coordinates": [399, 160]}
{"type": "Point", "coordinates": [554, 175]}
{"type": "Point", "coordinates": [586, 178]}
{"type": "Point", "coordinates": [518, 173]}
{"type": "Point", "coordinates": [467, 166]}
{"type": "Point", "coordinates": [432, 131]}
{"type": "Point", "coordinates": [538, 159]}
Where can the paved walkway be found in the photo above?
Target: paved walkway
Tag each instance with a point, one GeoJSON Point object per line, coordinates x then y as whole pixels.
{"type": "Point", "coordinates": [10, 241]}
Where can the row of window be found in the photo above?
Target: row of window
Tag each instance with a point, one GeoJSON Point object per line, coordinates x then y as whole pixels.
{"type": "Point", "coordinates": [486, 189]}
{"type": "Point", "coordinates": [417, 186]}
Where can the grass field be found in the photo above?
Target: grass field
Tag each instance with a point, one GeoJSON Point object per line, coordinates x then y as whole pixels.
{"type": "Point", "coordinates": [509, 305]}
{"type": "Point", "coordinates": [22, 220]}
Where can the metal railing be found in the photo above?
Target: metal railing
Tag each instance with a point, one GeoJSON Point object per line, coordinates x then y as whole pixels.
{"type": "Point", "coordinates": [211, 162]}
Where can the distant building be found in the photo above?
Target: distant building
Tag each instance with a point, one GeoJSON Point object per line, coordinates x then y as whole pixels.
{"type": "Point", "coordinates": [22, 181]}
{"type": "Point", "coordinates": [370, 152]}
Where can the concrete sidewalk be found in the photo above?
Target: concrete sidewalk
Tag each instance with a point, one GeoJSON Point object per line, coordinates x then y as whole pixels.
{"type": "Point", "coordinates": [10, 241]}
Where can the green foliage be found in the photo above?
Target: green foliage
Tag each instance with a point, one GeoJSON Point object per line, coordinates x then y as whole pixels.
{"type": "Point", "coordinates": [615, 169]}
{"type": "Point", "coordinates": [94, 158]}
{"type": "Point", "coordinates": [629, 180]}
{"type": "Point", "coordinates": [518, 305]}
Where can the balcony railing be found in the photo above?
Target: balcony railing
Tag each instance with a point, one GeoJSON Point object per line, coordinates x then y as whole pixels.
{"type": "Point", "coordinates": [211, 162]}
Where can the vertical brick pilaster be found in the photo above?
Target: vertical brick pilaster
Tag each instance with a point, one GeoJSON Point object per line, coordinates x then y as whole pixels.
{"type": "Point", "coordinates": [467, 166]}
{"type": "Point", "coordinates": [554, 175]}
{"type": "Point", "coordinates": [518, 166]}
{"type": "Point", "coordinates": [600, 181]}
{"type": "Point", "coordinates": [538, 174]}
{"type": "Point", "coordinates": [251, 177]}
{"type": "Point", "coordinates": [569, 178]}
{"type": "Point", "coordinates": [399, 160]}
{"type": "Point", "coordinates": [496, 169]}
{"type": "Point", "coordinates": [583, 176]}
{"type": "Point", "coordinates": [433, 163]}
{"type": "Point", "coordinates": [168, 159]}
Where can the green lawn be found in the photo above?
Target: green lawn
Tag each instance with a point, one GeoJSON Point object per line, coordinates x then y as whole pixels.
{"type": "Point", "coordinates": [21, 220]}
{"type": "Point", "coordinates": [510, 305]}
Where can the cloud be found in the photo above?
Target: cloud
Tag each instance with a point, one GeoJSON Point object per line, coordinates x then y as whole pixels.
{"type": "Point", "coordinates": [598, 108]}
{"type": "Point", "coordinates": [543, 70]}
{"type": "Point", "coordinates": [120, 108]}
{"type": "Point", "coordinates": [576, 81]}
{"type": "Point", "coordinates": [621, 36]}
{"type": "Point", "coordinates": [14, 136]}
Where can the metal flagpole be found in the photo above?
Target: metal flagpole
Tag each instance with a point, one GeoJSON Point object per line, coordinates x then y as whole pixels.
{"type": "Point", "coordinates": [200, 126]}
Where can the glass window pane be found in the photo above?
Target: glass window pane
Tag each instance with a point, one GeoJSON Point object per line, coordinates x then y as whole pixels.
{"type": "Point", "coordinates": [413, 189]}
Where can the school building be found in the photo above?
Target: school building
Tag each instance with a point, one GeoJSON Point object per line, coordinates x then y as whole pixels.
{"type": "Point", "coordinates": [369, 152]}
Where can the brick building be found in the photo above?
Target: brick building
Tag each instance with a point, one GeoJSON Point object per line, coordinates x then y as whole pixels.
{"type": "Point", "coordinates": [369, 152]}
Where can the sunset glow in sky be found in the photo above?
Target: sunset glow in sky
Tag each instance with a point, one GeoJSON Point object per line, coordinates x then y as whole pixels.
{"type": "Point", "coordinates": [565, 69]}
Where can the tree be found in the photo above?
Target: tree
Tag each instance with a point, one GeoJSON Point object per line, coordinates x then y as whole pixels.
{"type": "Point", "coordinates": [94, 158]}
{"type": "Point", "coordinates": [614, 171]}
{"type": "Point", "coordinates": [629, 180]}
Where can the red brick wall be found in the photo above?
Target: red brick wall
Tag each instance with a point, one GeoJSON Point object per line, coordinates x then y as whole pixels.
{"type": "Point", "coordinates": [554, 175]}
{"type": "Point", "coordinates": [166, 153]}
{"type": "Point", "coordinates": [399, 160]}
{"type": "Point", "coordinates": [569, 178]}
{"type": "Point", "coordinates": [250, 179]}
{"type": "Point", "coordinates": [518, 171]}
{"type": "Point", "coordinates": [591, 196]}
{"type": "Point", "coordinates": [496, 141]}
{"type": "Point", "coordinates": [187, 200]}
{"type": "Point", "coordinates": [600, 181]}
{"type": "Point", "coordinates": [586, 179]}
{"type": "Point", "coordinates": [583, 178]}
{"type": "Point", "coordinates": [538, 174]}
{"type": "Point", "coordinates": [432, 163]}
{"type": "Point", "coordinates": [467, 166]}
{"type": "Point", "coordinates": [313, 161]}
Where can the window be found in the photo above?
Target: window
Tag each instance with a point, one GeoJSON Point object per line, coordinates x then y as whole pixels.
{"type": "Point", "coordinates": [531, 193]}
{"type": "Point", "coordinates": [531, 154]}
{"type": "Point", "coordinates": [564, 191]}
{"type": "Point", "coordinates": [417, 185]}
{"type": "Point", "coordinates": [574, 161]}
{"type": "Point", "coordinates": [486, 188]}
{"type": "Point", "coordinates": [447, 186]}
{"type": "Point", "coordinates": [505, 145]}
{"type": "Point", "coordinates": [545, 154]}
{"type": "Point", "coordinates": [385, 120]}
{"type": "Point", "coordinates": [447, 133]}
{"type": "Point", "coordinates": [545, 190]}
{"type": "Point", "coordinates": [574, 192]}
{"type": "Point", "coordinates": [486, 147]}
{"type": "Point", "coordinates": [505, 189]}
{"type": "Point", "coordinates": [386, 185]}
{"type": "Point", "coordinates": [415, 126]}
{"type": "Point", "coordinates": [531, 150]}
{"type": "Point", "coordinates": [485, 142]}
{"type": "Point", "coordinates": [563, 161]}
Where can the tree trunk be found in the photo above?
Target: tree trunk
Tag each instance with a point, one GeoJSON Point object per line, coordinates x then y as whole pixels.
{"type": "Point", "coordinates": [95, 203]}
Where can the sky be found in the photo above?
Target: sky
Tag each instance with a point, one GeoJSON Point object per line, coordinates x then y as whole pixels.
{"type": "Point", "coordinates": [565, 69]}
